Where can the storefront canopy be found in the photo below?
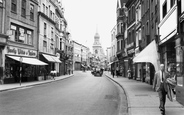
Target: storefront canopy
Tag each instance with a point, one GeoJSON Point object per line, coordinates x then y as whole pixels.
{"type": "Point", "coordinates": [52, 58]}
{"type": "Point", "coordinates": [31, 61]}
{"type": "Point", "coordinates": [149, 54]}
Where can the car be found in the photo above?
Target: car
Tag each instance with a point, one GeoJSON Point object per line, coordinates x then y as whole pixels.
{"type": "Point", "coordinates": [97, 72]}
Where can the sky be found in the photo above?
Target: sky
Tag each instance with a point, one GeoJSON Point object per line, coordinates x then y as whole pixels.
{"type": "Point", "coordinates": [86, 17]}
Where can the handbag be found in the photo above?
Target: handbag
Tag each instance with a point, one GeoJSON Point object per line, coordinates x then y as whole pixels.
{"type": "Point", "coordinates": [172, 82]}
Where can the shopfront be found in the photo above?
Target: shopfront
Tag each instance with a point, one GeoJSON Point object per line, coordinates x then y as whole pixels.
{"type": "Point", "coordinates": [21, 63]}
{"type": "Point", "coordinates": [149, 60]}
{"type": "Point", "coordinates": [180, 61]}
{"type": "Point", "coordinates": [131, 65]}
{"type": "Point", "coordinates": [53, 62]}
{"type": "Point", "coordinates": [3, 42]}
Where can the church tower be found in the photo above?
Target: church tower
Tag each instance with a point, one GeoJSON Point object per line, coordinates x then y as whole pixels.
{"type": "Point", "coordinates": [97, 48]}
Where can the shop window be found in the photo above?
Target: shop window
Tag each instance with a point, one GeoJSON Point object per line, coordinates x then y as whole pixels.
{"type": "Point", "coordinates": [21, 34]}
{"type": "Point", "coordinates": [180, 74]}
{"type": "Point", "coordinates": [29, 37]}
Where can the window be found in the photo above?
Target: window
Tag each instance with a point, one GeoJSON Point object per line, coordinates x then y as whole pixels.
{"type": "Point", "coordinates": [21, 34]}
{"type": "Point", "coordinates": [23, 10]}
{"type": "Point", "coordinates": [118, 46]}
{"type": "Point", "coordinates": [14, 5]}
{"type": "Point", "coordinates": [29, 37]}
{"type": "Point", "coordinates": [172, 3]}
{"type": "Point", "coordinates": [164, 9]}
{"type": "Point", "coordinates": [45, 29]}
{"type": "Point", "coordinates": [45, 46]}
{"type": "Point", "coordinates": [31, 12]}
{"type": "Point", "coordinates": [60, 44]}
{"type": "Point", "coordinates": [51, 14]}
{"type": "Point", "coordinates": [47, 11]}
{"type": "Point", "coordinates": [52, 34]}
{"type": "Point", "coordinates": [122, 45]}
{"type": "Point", "coordinates": [147, 28]}
{"type": "Point", "coordinates": [121, 27]}
{"type": "Point", "coordinates": [44, 8]}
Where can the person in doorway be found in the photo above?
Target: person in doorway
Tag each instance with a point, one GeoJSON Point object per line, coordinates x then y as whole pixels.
{"type": "Point", "coordinates": [160, 85]}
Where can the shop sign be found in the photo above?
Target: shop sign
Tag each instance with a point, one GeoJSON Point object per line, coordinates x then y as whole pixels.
{"type": "Point", "coordinates": [131, 51]}
{"type": "Point", "coordinates": [21, 52]}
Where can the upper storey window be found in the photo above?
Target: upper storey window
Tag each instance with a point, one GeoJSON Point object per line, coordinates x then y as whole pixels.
{"type": "Point", "coordinates": [14, 6]}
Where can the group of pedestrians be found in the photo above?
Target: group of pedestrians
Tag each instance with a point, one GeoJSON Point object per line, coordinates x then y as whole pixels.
{"type": "Point", "coordinates": [164, 83]}
{"type": "Point", "coordinates": [113, 72]}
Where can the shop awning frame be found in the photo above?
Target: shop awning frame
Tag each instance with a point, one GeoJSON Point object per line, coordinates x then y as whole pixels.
{"type": "Point", "coordinates": [28, 60]}
{"type": "Point", "coordinates": [149, 54]}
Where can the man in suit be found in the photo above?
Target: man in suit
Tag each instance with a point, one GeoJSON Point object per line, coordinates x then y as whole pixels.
{"type": "Point", "coordinates": [160, 85]}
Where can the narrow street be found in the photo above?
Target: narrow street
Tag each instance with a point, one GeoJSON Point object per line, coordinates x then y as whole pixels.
{"type": "Point", "coordinates": [82, 94]}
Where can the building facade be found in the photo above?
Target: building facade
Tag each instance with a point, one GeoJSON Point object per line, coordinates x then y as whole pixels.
{"type": "Point", "coordinates": [121, 18]}
{"type": "Point", "coordinates": [22, 49]}
{"type": "Point", "coordinates": [3, 39]}
{"type": "Point", "coordinates": [138, 37]}
{"type": "Point", "coordinates": [81, 55]}
{"type": "Point", "coordinates": [131, 35]}
{"type": "Point", "coordinates": [113, 57]}
{"type": "Point", "coordinates": [179, 54]}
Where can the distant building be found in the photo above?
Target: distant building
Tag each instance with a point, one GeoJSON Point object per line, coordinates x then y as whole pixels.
{"type": "Point", "coordinates": [98, 50]}
{"type": "Point", "coordinates": [80, 56]}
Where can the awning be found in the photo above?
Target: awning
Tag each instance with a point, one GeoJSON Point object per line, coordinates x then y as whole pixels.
{"type": "Point", "coordinates": [56, 59]}
{"type": "Point", "coordinates": [149, 54]}
{"type": "Point", "coordinates": [27, 60]}
{"type": "Point", "coordinates": [52, 58]}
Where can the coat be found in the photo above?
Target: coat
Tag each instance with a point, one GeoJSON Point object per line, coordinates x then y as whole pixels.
{"type": "Point", "coordinates": [157, 80]}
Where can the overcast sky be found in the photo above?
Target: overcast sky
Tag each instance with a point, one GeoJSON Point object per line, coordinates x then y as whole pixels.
{"type": "Point", "coordinates": [84, 17]}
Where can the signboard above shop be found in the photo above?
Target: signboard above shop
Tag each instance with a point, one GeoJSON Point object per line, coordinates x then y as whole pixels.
{"type": "Point", "coordinates": [21, 51]}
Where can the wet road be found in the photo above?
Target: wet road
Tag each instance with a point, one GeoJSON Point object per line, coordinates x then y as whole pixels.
{"type": "Point", "coordinates": [82, 94]}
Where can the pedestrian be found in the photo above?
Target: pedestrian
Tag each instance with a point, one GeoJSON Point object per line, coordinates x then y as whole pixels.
{"type": "Point", "coordinates": [112, 71]}
{"type": "Point", "coordinates": [117, 71]}
{"type": "Point", "coordinates": [52, 74]}
{"type": "Point", "coordinates": [44, 71]}
{"type": "Point", "coordinates": [160, 85]}
{"type": "Point", "coordinates": [129, 73]}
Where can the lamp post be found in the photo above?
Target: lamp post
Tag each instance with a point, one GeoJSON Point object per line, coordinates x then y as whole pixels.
{"type": "Point", "coordinates": [20, 59]}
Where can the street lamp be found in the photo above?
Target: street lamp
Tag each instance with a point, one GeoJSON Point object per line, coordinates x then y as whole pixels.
{"type": "Point", "coordinates": [20, 59]}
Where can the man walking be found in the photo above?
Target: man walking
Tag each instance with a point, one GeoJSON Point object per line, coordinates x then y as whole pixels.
{"type": "Point", "coordinates": [159, 85]}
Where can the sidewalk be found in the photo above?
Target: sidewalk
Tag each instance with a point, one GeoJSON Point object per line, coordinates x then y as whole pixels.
{"type": "Point", "coordinates": [142, 100]}
{"type": "Point", "coordinates": [6, 87]}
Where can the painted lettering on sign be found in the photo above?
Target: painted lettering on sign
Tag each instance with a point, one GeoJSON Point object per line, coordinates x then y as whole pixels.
{"type": "Point", "coordinates": [21, 51]}
{"type": "Point", "coordinates": [11, 50]}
